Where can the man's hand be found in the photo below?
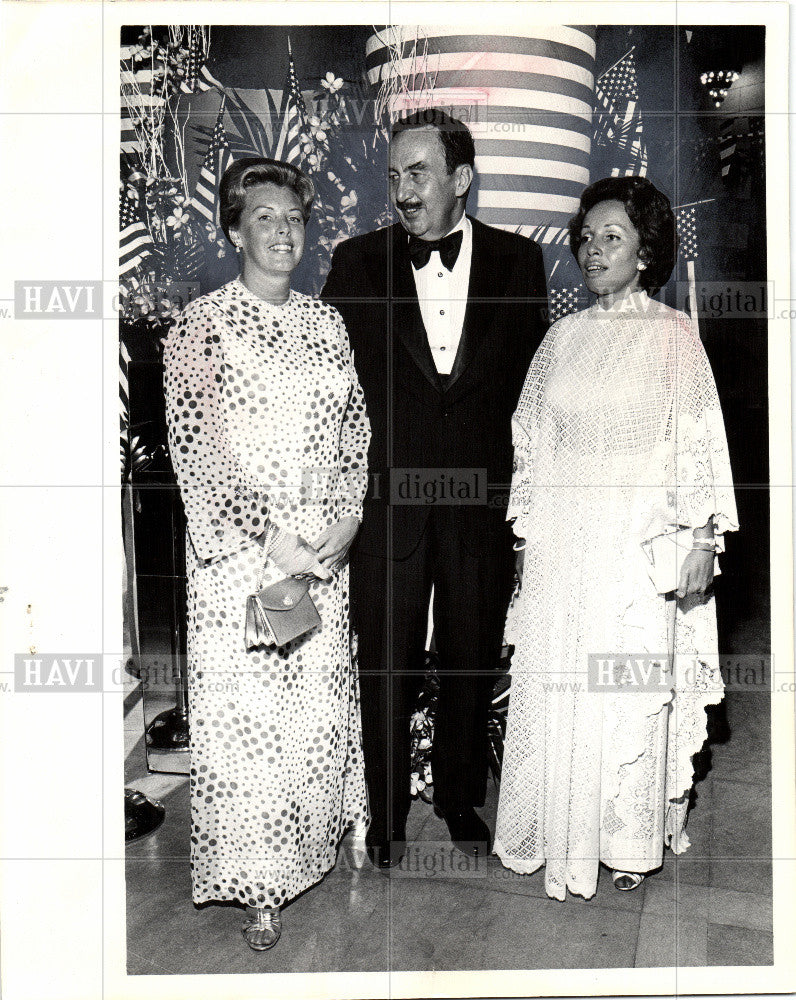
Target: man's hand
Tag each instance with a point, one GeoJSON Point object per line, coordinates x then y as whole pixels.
{"type": "Point", "coordinates": [333, 544]}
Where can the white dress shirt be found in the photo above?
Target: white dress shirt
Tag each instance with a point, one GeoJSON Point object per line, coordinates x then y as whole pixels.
{"type": "Point", "coordinates": [442, 295]}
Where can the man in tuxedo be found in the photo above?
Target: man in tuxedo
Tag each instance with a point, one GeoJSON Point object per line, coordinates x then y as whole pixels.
{"type": "Point", "coordinates": [444, 315]}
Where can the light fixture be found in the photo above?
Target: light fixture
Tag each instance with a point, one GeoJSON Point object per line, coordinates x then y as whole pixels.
{"type": "Point", "coordinates": [718, 83]}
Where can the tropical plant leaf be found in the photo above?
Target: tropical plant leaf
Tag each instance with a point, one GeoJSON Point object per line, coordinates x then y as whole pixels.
{"type": "Point", "coordinates": [252, 135]}
{"type": "Point", "coordinates": [200, 136]}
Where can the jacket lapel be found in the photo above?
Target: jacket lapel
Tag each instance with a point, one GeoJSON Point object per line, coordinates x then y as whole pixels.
{"type": "Point", "coordinates": [407, 319]}
{"type": "Point", "coordinates": [487, 278]}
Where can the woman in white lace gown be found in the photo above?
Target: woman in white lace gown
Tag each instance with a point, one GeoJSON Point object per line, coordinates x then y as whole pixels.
{"type": "Point", "coordinates": [268, 437]}
{"type": "Point", "coordinates": [619, 438]}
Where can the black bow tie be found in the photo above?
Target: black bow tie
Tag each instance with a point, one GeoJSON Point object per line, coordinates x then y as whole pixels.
{"type": "Point", "coordinates": [448, 247]}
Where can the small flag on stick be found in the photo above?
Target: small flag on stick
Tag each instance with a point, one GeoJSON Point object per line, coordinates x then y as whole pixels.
{"type": "Point", "coordinates": [294, 116]}
{"type": "Point", "coordinates": [198, 77]}
{"type": "Point", "coordinates": [135, 242]}
{"type": "Point", "coordinates": [618, 123]}
{"type": "Point", "coordinates": [217, 159]}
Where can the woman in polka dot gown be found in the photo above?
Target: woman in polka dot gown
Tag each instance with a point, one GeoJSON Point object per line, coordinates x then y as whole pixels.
{"type": "Point", "coordinates": [268, 437]}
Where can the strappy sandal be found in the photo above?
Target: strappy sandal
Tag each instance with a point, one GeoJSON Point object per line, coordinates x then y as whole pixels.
{"type": "Point", "coordinates": [262, 928]}
{"type": "Point", "coordinates": [625, 881]}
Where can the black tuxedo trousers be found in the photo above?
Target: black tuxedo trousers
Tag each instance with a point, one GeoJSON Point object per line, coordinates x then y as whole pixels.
{"type": "Point", "coordinates": [389, 604]}
{"type": "Point", "coordinates": [440, 464]}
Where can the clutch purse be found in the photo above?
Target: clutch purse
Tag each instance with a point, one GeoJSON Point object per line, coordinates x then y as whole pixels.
{"type": "Point", "coordinates": [280, 613]}
{"type": "Point", "coordinates": [665, 556]}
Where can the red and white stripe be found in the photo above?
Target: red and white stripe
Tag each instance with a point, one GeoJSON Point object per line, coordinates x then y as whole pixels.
{"type": "Point", "coordinates": [531, 93]}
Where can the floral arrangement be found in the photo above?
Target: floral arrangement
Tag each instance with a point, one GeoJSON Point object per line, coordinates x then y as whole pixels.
{"type": "Point", "coordinates": [421, 728]}
{"type": "Point", "coordinates": [344, 148]}
{"type": "Point", "coordinates": [173, 238]}
{"type": "Point", "coordinates": [159, 287]}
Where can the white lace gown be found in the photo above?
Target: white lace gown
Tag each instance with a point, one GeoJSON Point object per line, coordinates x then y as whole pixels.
{"type": "Point", "coordinates": [618, 438]}
{"type": "Point", "coordinates": [266, 423]}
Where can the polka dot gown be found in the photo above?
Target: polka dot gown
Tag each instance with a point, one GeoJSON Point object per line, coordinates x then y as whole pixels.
{"type": "Point", "coordinates": [266, 423]}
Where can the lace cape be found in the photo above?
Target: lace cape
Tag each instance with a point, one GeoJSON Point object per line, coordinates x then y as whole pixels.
{"type": "Point", "coordinates": [618, 438]}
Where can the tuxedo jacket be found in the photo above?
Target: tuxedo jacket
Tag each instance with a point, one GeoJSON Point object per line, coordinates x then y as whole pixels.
{"type": "Point", "coordinates": [453, 432]}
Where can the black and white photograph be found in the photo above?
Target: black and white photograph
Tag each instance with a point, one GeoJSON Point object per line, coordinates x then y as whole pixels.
{"type": "Point", "coordinates": [435, 530]}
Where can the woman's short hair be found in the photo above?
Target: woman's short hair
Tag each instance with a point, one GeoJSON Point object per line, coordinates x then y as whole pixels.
{"type": "Point", "coordinates": [651, 214]}
{"type": "Point", "coordinates": [253, 170]}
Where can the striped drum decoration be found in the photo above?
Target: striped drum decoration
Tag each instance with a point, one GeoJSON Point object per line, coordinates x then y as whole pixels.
{"type": "Point", "coordinates": [528, 97]}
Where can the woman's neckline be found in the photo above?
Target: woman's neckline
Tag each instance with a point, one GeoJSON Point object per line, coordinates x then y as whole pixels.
{"type": "Point", "coordinates": [246, 292]}
{"type": "Point", "coordinates": [631, 301]}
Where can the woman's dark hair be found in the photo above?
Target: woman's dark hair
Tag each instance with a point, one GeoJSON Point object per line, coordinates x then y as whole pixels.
{"type": "Point", "coordinates": [651, 214]}
{"type": "Point", "coordinates": [253, 170]}
{"type": "Point", "coordinates": [456, 138]}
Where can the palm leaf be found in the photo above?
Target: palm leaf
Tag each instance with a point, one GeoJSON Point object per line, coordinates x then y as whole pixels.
{"type": "Point", "coordinates": [252, 135]}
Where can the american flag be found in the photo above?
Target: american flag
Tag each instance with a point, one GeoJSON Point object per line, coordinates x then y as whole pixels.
{"type": "Point", "coordinates": [294, 116]}
{"type": "Point", "coordinates": [129, 143]}
{"type": "Point", "coordinates": [566, 300]}
{"type": "Point", "coordinates": [135, 243]}
{"type": "Point", "coordinates": [529, 96]}
{"type": "Point", "coordinates": [687, 231]}
{"type": "Point", "coordinates": [124, 401]}
{"type": "Point", "coordinates": [141, 109]}
{"type": "Point", "coordinates": [740, 139]}
{"type": "Point", "coordinates": [727, 146]}
{"type": "Point", "coordinates": [217, 159]}
{"type": "Point", "coordinates": [197, 76]}
{"type": "Point", "coordinates": [618, 123]}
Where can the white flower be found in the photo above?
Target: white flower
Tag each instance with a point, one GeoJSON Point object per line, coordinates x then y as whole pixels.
{"type": "Point", "coordinates": [349, 200]}
{"type": "Point", "coordinates": [177, 219]}
{"type": "Point", "coordinates": [332, 83]}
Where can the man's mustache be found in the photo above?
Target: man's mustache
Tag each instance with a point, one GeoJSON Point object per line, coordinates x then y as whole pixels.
{"type": "Point", "coordinates": [403, 205]}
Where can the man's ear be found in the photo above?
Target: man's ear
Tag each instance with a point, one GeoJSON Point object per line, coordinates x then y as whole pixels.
{"type": "Point", "coordinates": [464, 178]}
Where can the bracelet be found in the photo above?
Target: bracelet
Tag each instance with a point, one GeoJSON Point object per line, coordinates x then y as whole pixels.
{"type": "Point", "coordinates": [700, 542]}
{"type": "Point", "coordinates": [519, 547]}
{"type": "Point", "coordinates": [270, 535]}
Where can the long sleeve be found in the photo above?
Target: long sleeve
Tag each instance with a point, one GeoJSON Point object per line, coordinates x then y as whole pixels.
{"type": "Point", "coordinates": [525, 432]}
{"type": "Point", "coordinates": [354, 440]}
{"type": "Point", "coordinates": [219, 521]}
{"type": "Point", "coordinates": [703, 477]}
